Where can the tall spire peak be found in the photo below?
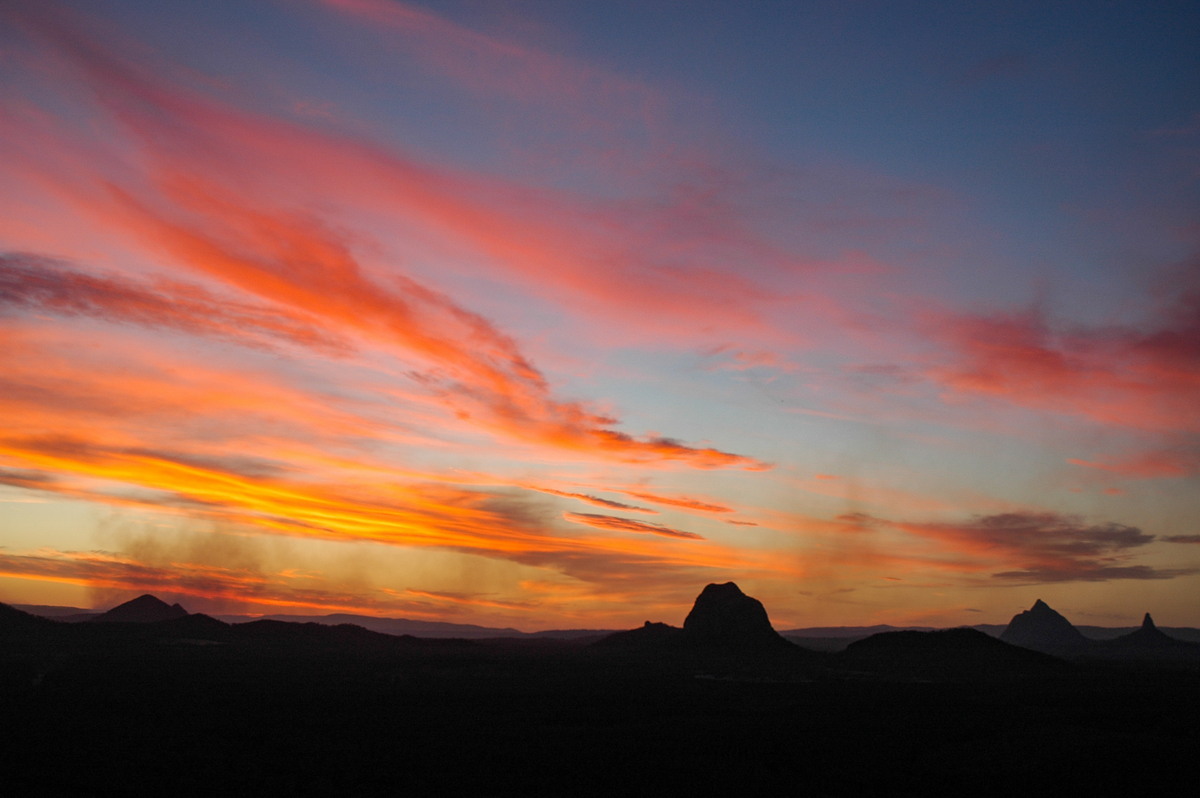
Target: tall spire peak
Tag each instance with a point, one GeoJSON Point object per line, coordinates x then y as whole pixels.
{"type": "Point", "coordinates": [1148, 622]}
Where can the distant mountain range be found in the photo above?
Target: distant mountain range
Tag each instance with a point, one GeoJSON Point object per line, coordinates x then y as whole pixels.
{"type": "Point", "coordinates": [1036, 628]}
{"type": "Point", "coordinates": [727, 634]}
{"type": "Point", "coordinates": [1040, 628]}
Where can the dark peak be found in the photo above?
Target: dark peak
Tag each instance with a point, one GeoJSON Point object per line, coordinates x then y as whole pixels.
{"type": "Point", "coordinates": [724, 615]}
{"type": "Point", "coordinates": [1043, 629]}
{"type": "Point", "coordinates": [145, 600]}
{"type": "Point", "coordinates": [1147, 637]}
{"type": "Point", "coordinates": [143, 609]}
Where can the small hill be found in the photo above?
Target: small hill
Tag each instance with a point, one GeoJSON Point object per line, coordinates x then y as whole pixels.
{"type": "Point", "coordinates": [344, 636]}
{"type": "Point", "coordinates": [649, 635]}
{"type": "Point", "coordinates": [945, 653]}
{"type": "Point", "coordinates": [1042, 629]}
{"type": "Point", "coordinates": [143, 609]}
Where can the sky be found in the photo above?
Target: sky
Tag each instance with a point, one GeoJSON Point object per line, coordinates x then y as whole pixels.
{"type": "Point", "coordinates": [545, 315]}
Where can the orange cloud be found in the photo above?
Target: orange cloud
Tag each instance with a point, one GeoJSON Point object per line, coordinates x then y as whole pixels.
{"type": "Point", "coordinates": [218, 588]}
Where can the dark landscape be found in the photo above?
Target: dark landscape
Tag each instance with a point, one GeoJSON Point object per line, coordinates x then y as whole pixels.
{"type": "Point", "coordinates": [147, 699]}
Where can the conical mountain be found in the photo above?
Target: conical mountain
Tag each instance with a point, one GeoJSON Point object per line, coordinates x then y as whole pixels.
{"type": "Point", "coordinates": [1042, 629]}
{"type": "Point", "coordinates": [1147, 637]}
{"type": "Point", "coordinates": [143, 609]}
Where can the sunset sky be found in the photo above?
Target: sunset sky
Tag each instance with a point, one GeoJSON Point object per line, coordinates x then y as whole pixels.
{"type": "Point", "coordinates": [546, 314]}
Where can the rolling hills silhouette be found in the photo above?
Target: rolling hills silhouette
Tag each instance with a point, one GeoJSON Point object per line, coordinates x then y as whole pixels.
{"type": "Point", "coordinates": [948, 653]}
{"type": "Point", "coordinates": [192, 705]}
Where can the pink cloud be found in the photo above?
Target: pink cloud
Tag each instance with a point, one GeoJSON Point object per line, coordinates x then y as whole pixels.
{"type": "Point", "coordinates": [1163, 463]}
{"type": "Point", "coordinates": [215, 205]}
{"type": "Point", "coordinates": [1123, 376]}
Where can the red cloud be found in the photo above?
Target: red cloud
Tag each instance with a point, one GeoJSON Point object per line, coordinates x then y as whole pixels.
{"type": "Point", "coordinates": [45, 285]}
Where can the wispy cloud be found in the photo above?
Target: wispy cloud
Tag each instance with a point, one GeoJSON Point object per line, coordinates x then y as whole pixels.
{"type": "Point", "coordinates": [597, 500]}
{"type": "Point", "coordinates": [298, 275]}
{"type": "Point", "coordinates": [683, 502]}
{"type": "Point", "coordinates": [628, 525]}
{"type": "Point", "coordinates": [1142, 378]}
{"type": "Point", "coordinates": [1039, 547]}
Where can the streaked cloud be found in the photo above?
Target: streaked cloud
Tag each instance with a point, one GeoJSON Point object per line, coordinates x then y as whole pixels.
{"type": "Point", "coordinates": [628, 525]}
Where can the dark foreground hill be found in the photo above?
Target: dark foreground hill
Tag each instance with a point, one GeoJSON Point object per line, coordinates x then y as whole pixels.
{"type": "Point", "coordinates": [947, 653]}
{"type": "Point", "coordinates": [193, 706]}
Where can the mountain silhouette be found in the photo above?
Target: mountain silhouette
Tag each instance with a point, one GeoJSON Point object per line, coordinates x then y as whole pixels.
{"type": "Point", "coordinates": [649, 635]}
{"type": "Point", "coordinates": [1147, 638]}
{"type": "Point", "coordinates": [143, 609]}
{"type": "Point", "coordinates": [725, 616]}
{"type": "Point", "coordinates": [15, 620]}
{"type": "Point", "coordinates": [1042, 629]}
{"type": "Point", "coordinates": [947, 653]}
{"type": "Point", "coordinates": [722, 617]}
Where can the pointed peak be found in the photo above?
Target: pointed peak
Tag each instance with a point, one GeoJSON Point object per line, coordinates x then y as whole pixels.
{"type": "Point", "coordinates": [1039, 605]}
{"type": "Point", "coordinates": [1148, 622]}
{"type": "Point", "coordinates": [145, 600]}
{"type": "Point", "coordinates": [142, 609]}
